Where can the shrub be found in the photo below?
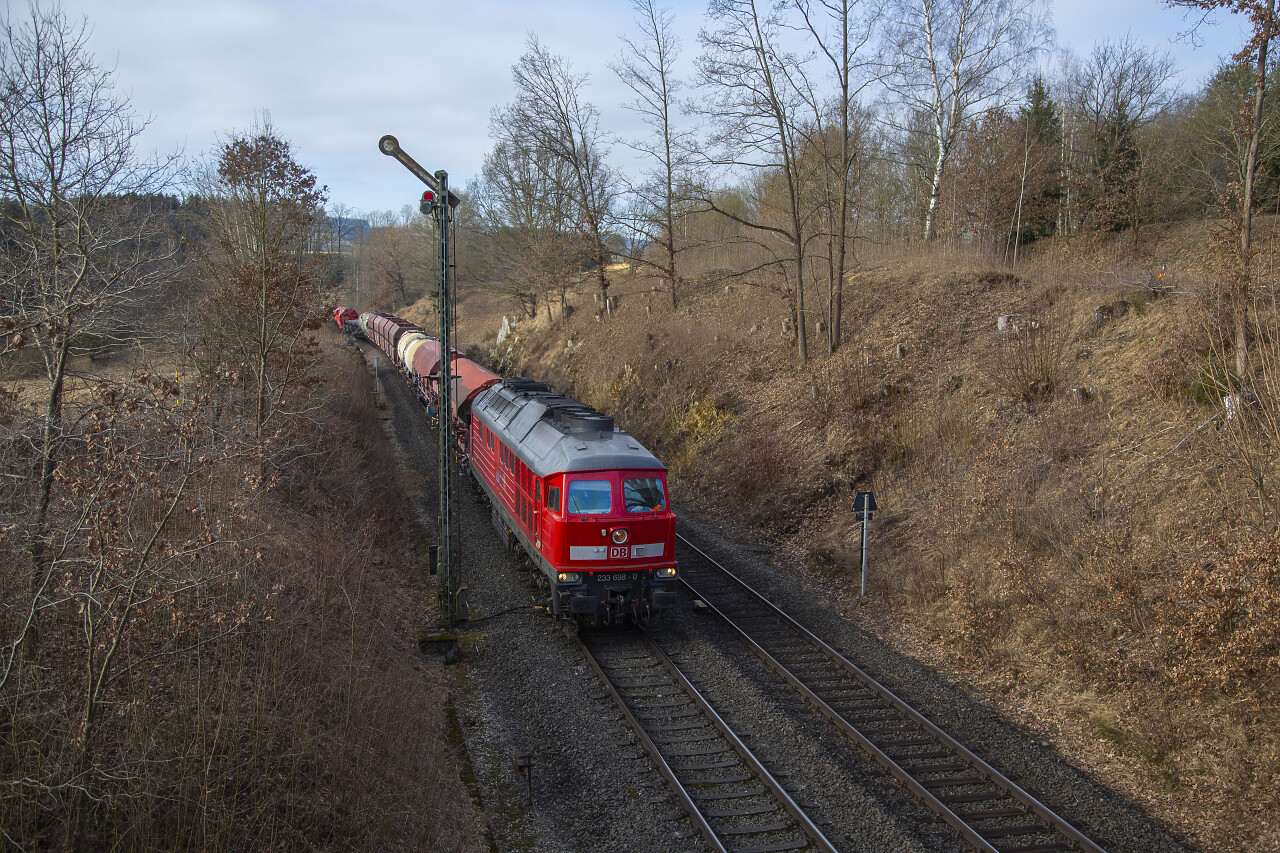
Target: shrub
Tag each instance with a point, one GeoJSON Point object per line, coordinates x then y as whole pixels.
{"type": "Point", "coordinates": [1224, 618]}
{"type": "Point", "coordinates": [1029, 364]}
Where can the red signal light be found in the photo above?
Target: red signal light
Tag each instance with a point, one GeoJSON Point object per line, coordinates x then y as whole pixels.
{"type": "Point", "coordinates": [428, 203]}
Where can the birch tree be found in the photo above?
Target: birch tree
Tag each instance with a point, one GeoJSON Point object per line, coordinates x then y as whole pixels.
{"type": "Point", "coordinates": [953, 59]}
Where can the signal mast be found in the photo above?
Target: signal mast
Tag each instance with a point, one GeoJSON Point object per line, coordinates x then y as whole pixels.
{"type": "Point", "coordinates": [438, 203]}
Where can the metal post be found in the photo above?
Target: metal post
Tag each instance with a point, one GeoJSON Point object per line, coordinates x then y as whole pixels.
{"type": "Point", "coordinates": [864, 503]}
{"type": "Point", "coordinates": [447, 578]}
{"type": "Point", "coordinates": [866, 519]}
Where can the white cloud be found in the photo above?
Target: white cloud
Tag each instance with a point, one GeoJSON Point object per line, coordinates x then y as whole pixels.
{"type": "Point", "coordinates": [337, 75]}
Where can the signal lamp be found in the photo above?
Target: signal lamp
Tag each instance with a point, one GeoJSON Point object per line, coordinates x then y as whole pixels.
{"type": "Point", "coordinates": [428, 203]}
{"type": "Point", "coordinates": [668, 572]}
{"type": "Point", "coordinates": [568, 577]}
{"type": "Point", "coordinates": [619, 536]}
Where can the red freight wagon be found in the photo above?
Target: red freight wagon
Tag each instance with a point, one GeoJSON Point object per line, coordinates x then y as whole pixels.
{"type": "Point", "coordinates": [384, 331]}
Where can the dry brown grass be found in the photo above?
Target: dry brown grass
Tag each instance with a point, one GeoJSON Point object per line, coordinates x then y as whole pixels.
{"type": "Point", "coordinates": [1091, 558]}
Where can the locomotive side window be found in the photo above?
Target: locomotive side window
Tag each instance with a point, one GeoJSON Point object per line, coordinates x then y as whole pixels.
{"type": "Point", "coordinates": [643, 494]}
{"type": "Point", "coordinates": [590, 497]}
{"type": "Point", "coordinates": [553, 498]}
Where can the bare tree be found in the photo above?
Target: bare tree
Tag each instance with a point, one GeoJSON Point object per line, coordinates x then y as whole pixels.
{"type": "Point", "coordinates": [265, 300]}
{"type": "Point", "coordinates": [1262, 15]}
{"type": "Point", "coordinates": [550, 116]}
{"type": "Point", "coordinates": [847, 32]}
{"type": "Point", "coordinates": [647, 67]}
{"type": "Point", "coordinates": [83, 244]}
{"type": "Point", "coordinates": [529, 223]}
{"type": "Point", "coordinates": [755, 108]}
{"type": "Point", "coordinates": [952, 59]}
{"type": "Point", "coordinates": [401, 263]}
{"type": "Point", "coordinates": [1119, 92]}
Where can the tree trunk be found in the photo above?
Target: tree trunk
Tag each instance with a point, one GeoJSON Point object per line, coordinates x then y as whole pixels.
{"type": "Point", "coordinates": [1246, 201]}
{"type": "Point", "coordinates": [50, 440]}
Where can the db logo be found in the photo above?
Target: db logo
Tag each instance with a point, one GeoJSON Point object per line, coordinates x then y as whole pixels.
{"type": "Point", "coordinates": [616, 553]}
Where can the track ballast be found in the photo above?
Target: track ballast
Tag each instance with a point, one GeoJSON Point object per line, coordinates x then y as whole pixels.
{"type": "Point", "coordinates": [734, 801]}
{"type": "Point", "coordinates": [984, 807]}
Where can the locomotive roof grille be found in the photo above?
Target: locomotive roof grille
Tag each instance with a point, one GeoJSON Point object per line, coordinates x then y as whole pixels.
{"type": "Point", "coordinates": [522, 383]}
{"type": "Point", "coordinates": [552, 433]}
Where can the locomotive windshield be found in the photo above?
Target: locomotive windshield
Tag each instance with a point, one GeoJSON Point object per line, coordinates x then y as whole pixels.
{"type": "Point", "coordinates": [590, 497]}
{"type": "Point", "coordinates": [643, 494]}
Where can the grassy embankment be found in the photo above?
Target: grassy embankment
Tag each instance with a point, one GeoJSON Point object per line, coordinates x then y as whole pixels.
{"type": "Point", "coordinates": [1066, 524]}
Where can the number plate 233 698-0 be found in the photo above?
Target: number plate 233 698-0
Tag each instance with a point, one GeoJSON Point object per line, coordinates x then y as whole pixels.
{"type": "Point", "coordinates": [614, 577]}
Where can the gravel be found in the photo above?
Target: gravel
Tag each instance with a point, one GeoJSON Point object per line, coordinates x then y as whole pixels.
{"type": "Point", "coordinates": [522, 688]}
{"type": "Point", "coordinates": [1101, 814]}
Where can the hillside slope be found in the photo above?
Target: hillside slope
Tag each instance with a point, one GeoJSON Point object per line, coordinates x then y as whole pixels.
{"type": "Point", "coordinates": [1063, 519]}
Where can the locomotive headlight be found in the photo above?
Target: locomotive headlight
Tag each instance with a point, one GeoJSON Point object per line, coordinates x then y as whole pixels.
{"type": "Point", "coordinates": [668, 572]}
{"type": "Point", "coordinates": [568, 577]}
{"type": "Point", "coordinates": [619, 536]}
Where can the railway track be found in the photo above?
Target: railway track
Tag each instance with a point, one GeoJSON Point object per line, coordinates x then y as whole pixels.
{"type": "Point", "coordinates": [987, 809]}
{"type": "Point", "coordinates": [732, 799]}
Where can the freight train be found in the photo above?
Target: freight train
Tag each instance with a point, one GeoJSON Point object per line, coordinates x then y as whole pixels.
{"type": "Point", "coordinates": [581, 500]}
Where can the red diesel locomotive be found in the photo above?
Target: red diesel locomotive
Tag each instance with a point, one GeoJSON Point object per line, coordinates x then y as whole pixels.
{"type": "Point", "coordinates": [583, 500]}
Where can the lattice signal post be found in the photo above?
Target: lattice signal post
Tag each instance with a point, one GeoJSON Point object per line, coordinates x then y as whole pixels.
{"type": "Point", "coordinates": [439, 203]}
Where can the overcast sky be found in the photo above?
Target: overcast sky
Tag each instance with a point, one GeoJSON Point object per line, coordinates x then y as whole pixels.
{"type": "Point", "coordinates": [335, 76]}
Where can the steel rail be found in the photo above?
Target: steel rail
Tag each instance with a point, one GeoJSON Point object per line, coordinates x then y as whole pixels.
{"type": "Point", "coordinates": [700, 820]}
{"type": "Point", "coordinates": [957, 822]}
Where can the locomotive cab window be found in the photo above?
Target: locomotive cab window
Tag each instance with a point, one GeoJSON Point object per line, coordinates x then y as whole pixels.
{"type": "Point", "coordinates": [589, 497]}
{"type": "Point", "coordinates": [553, 498]}
{"type": "Point", "coordinates": [643, 494]}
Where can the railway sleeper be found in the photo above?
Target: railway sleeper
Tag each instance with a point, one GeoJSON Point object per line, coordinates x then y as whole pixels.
{"type": "Point", "coordinates": [954, 781]}
{"type": "Point", "coordinates": [720, 780]}
{"type": "Point", "coordinates": [686, 739]}
{"type": "Point", "coordinates": [757, 829]}
{"type": "Point", "coordinates": [1020, 829]}
{"type": "Point", "coordinates": [749, 811]}
{"type": "Point", "coordinates": [912, 741]}
{"type": "Point", "coordinates": [988, 814]}
{"type": "Point", "coordinates": [670, 715]}
{"type": "Point", "coordinates": [726, 795]}
{"type": "Point", "coordinates": [694, 753]}
{"type": "Point", "coordinates": [774, 848]}
{"type": "Point", "coordinates": [951, 767]}
{"type": "Point", "coordinates": [922, 756]}
{"type": "Point", "coordinates": [666, 703]}
{"type": "Point", "coordinates": [675, 727]}
{"type": "Point", "coordinates": [983, 797]}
